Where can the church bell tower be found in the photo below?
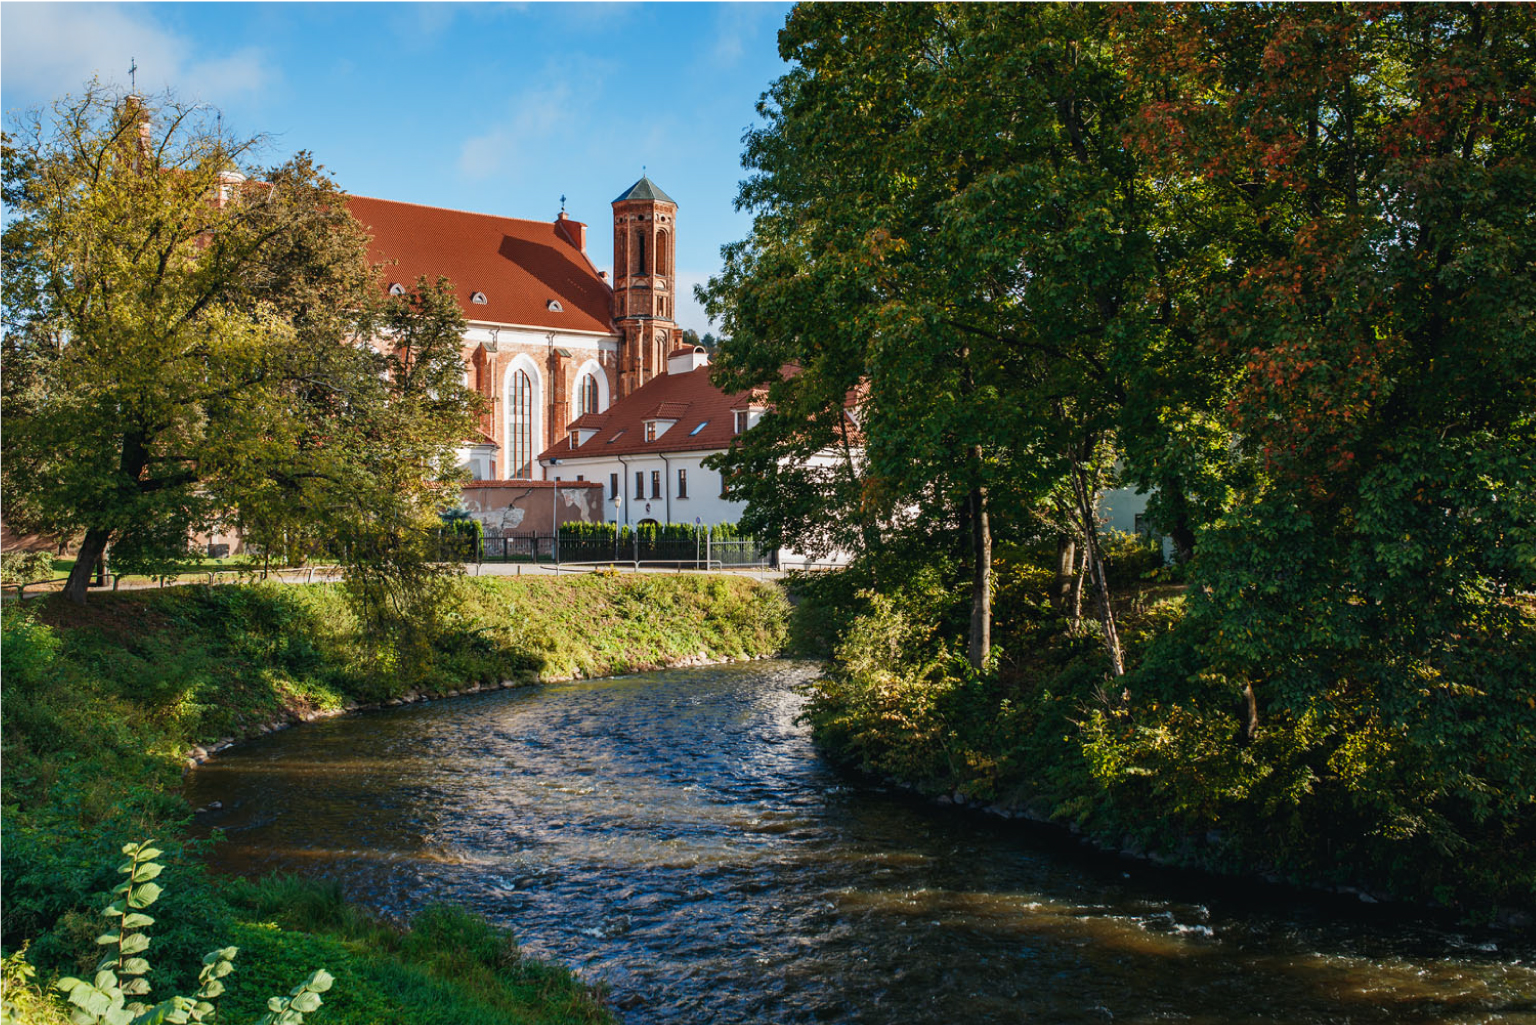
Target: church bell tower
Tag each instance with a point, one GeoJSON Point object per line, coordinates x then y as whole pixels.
{"type": "Point", "coordinates": [644, 224]}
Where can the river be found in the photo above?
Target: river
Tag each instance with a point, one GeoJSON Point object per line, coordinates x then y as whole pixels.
{"type": "Point", "coordinates": [674, 834]}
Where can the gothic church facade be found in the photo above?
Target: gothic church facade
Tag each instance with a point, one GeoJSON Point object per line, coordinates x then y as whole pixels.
{"type": "Point", "coordinates": [551, 338]}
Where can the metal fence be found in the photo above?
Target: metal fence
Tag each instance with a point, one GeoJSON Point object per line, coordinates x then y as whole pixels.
{"type": "Point", "coordinates": [635, 551]}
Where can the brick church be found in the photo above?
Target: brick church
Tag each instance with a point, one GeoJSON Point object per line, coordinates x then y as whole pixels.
{"type": "Point", "coordinates": [550, 337]}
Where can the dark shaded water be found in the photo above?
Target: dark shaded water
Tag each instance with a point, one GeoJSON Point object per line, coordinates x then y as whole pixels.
{"type": "Point", "coordinates": [674, 834]}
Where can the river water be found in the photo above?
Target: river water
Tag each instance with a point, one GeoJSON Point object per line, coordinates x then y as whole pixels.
{"type": "Point", "coordinates": [675, 835]}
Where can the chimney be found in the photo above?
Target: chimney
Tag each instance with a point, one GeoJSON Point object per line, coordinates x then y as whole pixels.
{"type": "Point", "coordinates": [574, 231]}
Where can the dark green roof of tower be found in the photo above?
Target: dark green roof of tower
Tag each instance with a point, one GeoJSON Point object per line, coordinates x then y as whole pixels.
{"type": "Point", "coordinates": [645, 189]}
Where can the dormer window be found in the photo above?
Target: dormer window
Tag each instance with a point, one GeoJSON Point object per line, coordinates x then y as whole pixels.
{"type": "Point", "coordinates": [396, 288]}
{"type": "Point", "coordinates": [554, 306]}
{"type": "Point", "coordinates": [478, 299]}
{"type": "Point", "coordinates": [741, 421]}
{"type": "Point", "coordinates": [650, 430]}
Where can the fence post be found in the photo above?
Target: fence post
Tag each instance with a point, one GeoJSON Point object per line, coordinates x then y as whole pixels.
{"type": "Point", "coordinates": [709, 545]}
{"type": "Point", "coordinates": [635, 535]}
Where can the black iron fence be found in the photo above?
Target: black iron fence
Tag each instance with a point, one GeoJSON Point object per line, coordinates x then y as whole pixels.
{"type": "Point", "coordinates": [635, 550]}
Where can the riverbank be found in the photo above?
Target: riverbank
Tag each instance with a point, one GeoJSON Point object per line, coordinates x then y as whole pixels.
{"type": "Point", "coordinates": [105, 704]}
{"type": "Point", "coordinates": [1432, 808]}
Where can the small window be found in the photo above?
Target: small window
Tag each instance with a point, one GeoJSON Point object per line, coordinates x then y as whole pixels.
{"type": "Point", "coordinates": [682, 483]}
{"type": "Point", "coordinates": [613, 485]}
{"type": "Point", "coordinates": [478, 299]}
{"type": "Point", "coordinates": [554, 306]}
{"type": "Point", "coordinates": [639, 484]}
{"type": "Point", "coordinates": [702, 424]}
{"type": "Point", "coordinates": [650, 430]}
{"type": "Point", "coordinates": [396, 288]}
{"type": "Point", "coordinates": [741, 421]}
{"type": "Point", "coordinates": [617, 435]}
{"type": "Point", "coordinates": [655, 483]}
{"type": "Point", "coordinates": [581, 476]}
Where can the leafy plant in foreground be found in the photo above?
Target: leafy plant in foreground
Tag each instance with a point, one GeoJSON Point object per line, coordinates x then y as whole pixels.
{"type": "Point", "coordinates": [121, 975]}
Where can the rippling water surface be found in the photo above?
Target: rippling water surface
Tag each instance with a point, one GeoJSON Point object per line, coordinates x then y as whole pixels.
{"type": "Point", "coordinates": [674, 834]}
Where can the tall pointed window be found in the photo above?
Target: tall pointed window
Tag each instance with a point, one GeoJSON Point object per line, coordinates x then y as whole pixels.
{"type": "Point", "coordinates": [520, 420]}
{"type": "Point", "coordinates": [639, 252]}
{"type": "Point", "coordinates": [662, 252]}
{"type": "Point", "coordinates": [586, 395]}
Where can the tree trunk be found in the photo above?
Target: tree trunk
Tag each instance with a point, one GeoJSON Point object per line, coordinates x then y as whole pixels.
{"type": "Point", "coordinates": [91, 549]}
{"type": "Point", "coordinates": [1179, 531]}
{"type": "Point", "coordinates": [1066, 566]}
{"type": "Point", "coordinates": [1095, 561]}
{"type": "Point", "coordinates": [981, 579]}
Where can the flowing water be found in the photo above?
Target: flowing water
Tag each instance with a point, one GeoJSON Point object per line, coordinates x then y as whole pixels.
{"type": "Point", "coordinates": [674, 834]}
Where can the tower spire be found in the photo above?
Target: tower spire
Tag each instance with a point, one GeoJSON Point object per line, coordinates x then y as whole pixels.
{"type": "Point", "coordinates": [133, 75]}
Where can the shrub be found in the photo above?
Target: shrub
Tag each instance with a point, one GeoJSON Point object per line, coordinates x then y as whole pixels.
{"type": "Point", "coordinates": [123, 971]}
{"type": "Point", "coordinates": [26, 567]}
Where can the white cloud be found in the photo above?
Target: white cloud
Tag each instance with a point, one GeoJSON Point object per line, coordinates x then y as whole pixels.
{"type": "Point", "coordinates": [49, 49]}
{"type": "Point", "coordinates": [545, 118]}
{"type": "Point", "coordinates": [736, 28]}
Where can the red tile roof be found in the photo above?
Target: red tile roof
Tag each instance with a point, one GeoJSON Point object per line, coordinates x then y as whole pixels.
{"type": "Point", "coordinates": [668, 410]}
{"type": "Point", "coordinates": [691, 397]}
{"type": "Point", "coordinates": [519, 265]}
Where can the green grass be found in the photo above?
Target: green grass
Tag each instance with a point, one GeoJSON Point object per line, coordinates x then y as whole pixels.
{"type": "Point", "coordinates": [103, 701]}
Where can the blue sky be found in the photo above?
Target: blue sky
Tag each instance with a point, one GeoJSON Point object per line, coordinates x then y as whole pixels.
{"type": "Point", "coordinates": [488, 107]}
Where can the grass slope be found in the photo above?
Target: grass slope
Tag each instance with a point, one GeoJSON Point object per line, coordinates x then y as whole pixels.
{"type": "Point", "coordinates": [103, 702]}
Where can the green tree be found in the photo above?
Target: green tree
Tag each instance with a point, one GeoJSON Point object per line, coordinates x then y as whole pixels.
{"type": "Point", "coordinates": [946, 216]}
{"type": "Point", "coordinates": [184, 341]}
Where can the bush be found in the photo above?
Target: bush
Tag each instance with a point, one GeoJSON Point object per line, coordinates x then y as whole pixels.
{"type": "Point", "coordinates": [26, 567]}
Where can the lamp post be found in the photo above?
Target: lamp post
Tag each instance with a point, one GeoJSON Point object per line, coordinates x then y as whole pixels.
{"type": "Point", "coordinates": [618, 504]}
{"type": "Point", "coordinates": [554, 518]}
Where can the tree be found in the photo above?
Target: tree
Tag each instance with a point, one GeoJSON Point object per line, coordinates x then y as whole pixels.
{"type": "Point", "coordinates": [1375, 166]}
{"type": "Point", "coordinates": [946, 216]}
{"type": "Point", "coordinates": [183, 340]}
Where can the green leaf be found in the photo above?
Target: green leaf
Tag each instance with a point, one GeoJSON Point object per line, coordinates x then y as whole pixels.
{"type": "Point", "coordinates": [144, 896]}
{"type": "Point", "coordinates": [108, 938]}
{"type": "Point", "coordinates": [134, 966]}
{"type": "Point", "coordinates": [135, 943]}
{"type": "Point", "coordinates": [136, 921]}
{"type": "Point", "coordinates": [144, 873]}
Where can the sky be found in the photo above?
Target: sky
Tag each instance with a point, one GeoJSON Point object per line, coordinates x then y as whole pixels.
{"type": "Point", "coordinates": [495, 108]}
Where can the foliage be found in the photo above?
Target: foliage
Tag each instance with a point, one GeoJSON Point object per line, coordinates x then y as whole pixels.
{"type": "Point", "coordinates": [26, 567]}
{"type": "Point", "coordinates": [624, 533]}
{"type": "Point", "coordinates": [122, 972]}
{"type": "Point", "coordinates": [179, 346]}
{"type": "Point", "coordinates": [22, 1000]}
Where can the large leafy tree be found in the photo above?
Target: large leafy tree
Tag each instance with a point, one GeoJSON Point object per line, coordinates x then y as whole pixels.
{"type": "Point", "coordinates": [184, 341]}
{"type": "Point", "coordinates": [946, 212]}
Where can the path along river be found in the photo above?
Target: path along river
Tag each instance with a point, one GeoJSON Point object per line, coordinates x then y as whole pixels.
{"type": "Point", "coordinates": [675, 834]}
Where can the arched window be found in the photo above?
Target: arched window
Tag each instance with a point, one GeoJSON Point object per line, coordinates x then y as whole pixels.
{"type": "Point", "coordinates": [663, 253]}
{"type": "Point", "coordinates": [586, 395]}
{"type": "Point", "coordinates": [639, 252]}
{"type": "Point", "coordinates": [520, 420]}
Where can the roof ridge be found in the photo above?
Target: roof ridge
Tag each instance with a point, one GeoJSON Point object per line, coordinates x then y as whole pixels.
{"type": "Point", "coordinates": [456, 210]}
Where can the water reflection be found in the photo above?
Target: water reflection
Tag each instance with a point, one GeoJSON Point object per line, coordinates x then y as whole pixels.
{"type": "Point", "coordinates": [675, 835]}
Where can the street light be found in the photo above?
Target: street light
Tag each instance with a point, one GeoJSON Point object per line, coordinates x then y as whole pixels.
{"type": "Point", "coordinates": [554, 517]}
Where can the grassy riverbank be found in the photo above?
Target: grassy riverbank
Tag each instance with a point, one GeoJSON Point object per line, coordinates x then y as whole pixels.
{"type": "Point", "coordinates": [104, 702]}
{"type": "Point", "coordinates": [1429, 800]}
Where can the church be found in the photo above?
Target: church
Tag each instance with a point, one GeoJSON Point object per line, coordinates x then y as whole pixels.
{"type": "Point", "coordinates": [596, 410]}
